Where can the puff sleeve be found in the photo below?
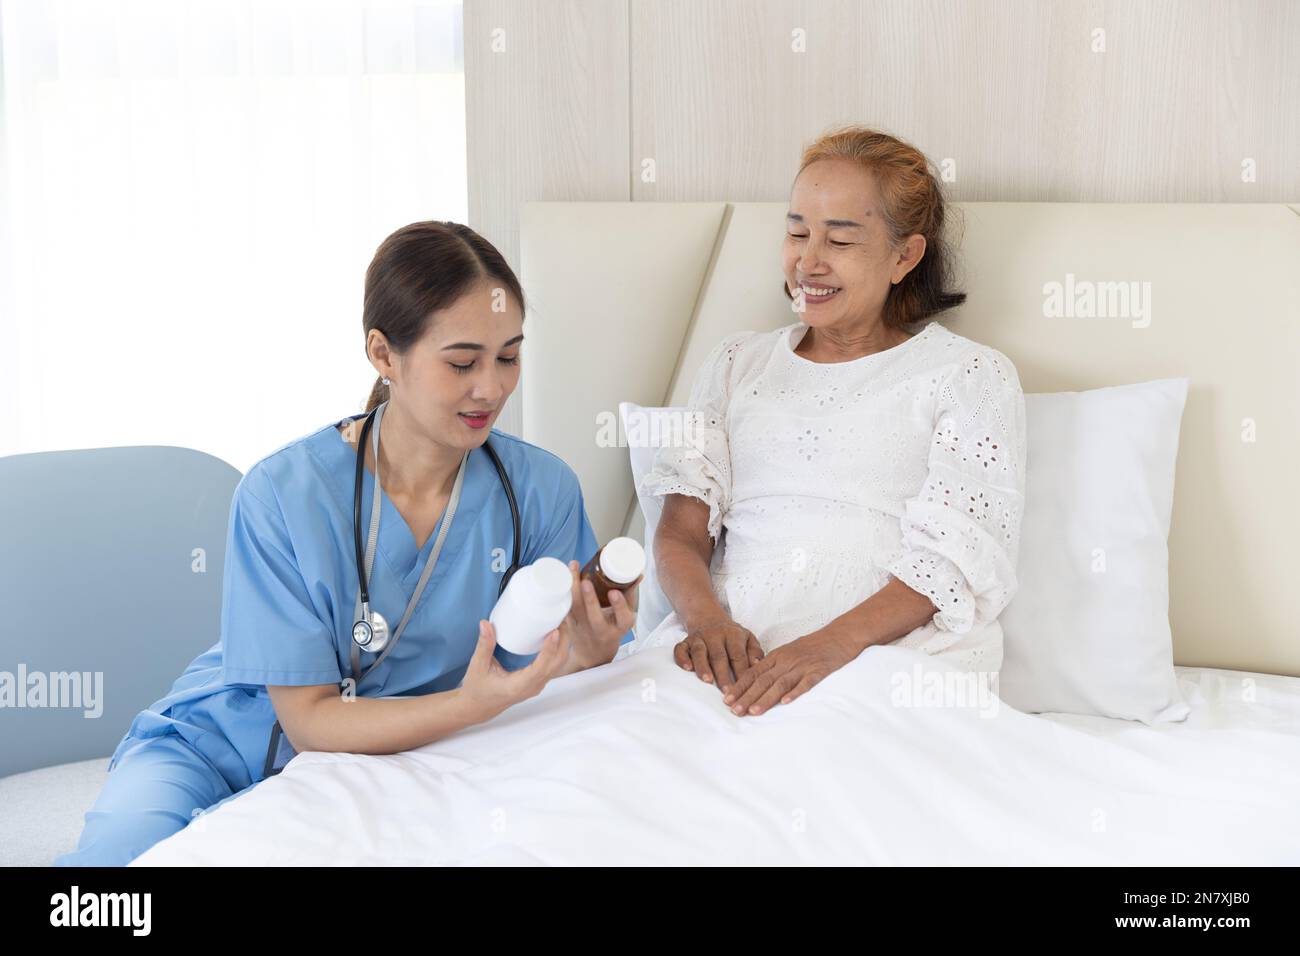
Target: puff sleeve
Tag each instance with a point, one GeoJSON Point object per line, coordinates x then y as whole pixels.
{"type": "Point", "coordinates": [961, 533]}
{"type": "Point", "coordinates": [700, 465]}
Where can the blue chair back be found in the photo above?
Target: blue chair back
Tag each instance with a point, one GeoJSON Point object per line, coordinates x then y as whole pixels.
{"type": "Point", "coordinates": [111, 565]}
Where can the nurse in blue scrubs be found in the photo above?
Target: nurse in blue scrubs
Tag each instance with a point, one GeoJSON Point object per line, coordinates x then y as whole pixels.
{"type": "Point", "coordinates": [443, 318]}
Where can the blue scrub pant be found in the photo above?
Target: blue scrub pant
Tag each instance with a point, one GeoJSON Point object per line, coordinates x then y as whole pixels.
{"type": "Point", "coordinates": [155, 789]}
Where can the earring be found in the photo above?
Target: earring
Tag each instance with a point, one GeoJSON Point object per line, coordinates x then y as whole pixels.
{"type": "Point", "coordinates": [385, 381]}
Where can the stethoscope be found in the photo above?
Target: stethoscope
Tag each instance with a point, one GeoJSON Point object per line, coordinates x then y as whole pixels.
{"type": "Point", "coordinates": [370, 630]}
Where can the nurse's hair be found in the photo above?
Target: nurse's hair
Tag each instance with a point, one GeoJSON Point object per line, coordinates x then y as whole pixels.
{"type": "Point", "coordinates": [911, 202]}
{"type": "Point", "coordinates": [419, 270]}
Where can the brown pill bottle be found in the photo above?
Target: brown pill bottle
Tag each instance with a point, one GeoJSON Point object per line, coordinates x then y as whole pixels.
{"type": "Point", "coordinates": [615, 567]}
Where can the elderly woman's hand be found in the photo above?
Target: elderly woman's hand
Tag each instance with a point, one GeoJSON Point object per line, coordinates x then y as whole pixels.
{"type": "Point", "coordinates": [788, 671]}
{"type": "Point", "coordinates": [717, 648]}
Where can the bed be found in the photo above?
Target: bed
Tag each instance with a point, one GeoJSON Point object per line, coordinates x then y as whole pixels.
{"type": "Point", "coordinates": [640, 763]}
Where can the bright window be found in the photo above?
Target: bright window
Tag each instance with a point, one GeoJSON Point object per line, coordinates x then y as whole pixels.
{"type": "Point", "coordinates": [191, 193]}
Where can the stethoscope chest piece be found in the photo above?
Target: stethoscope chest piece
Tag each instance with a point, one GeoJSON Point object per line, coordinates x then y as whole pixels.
{"type": "Point", "coordinates": [371, 635]}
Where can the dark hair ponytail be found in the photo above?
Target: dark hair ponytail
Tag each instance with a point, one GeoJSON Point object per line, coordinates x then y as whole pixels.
{"type": "Point", "coordinates": [419, 270]}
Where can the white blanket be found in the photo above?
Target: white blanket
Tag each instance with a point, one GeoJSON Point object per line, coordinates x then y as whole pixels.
{"type": "Point", "coordinates": [638, 762]}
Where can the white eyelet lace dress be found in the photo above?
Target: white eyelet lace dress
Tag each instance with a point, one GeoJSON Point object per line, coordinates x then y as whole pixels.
{"type": "Point", "coordinates": [828, 478]}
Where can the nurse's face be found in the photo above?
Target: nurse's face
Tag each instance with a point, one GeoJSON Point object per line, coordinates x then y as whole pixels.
{"type": "Point", "coordinates": [838, 248]}
{"type": "Point", "coordinates": [456, 378]}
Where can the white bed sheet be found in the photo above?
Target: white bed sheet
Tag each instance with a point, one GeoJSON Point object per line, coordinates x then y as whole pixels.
{"type": "Point", "coordinates": [639, 762]}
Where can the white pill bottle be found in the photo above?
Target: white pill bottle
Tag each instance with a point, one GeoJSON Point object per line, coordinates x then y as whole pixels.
{"type": "Point", "coordinates": [535, 601]}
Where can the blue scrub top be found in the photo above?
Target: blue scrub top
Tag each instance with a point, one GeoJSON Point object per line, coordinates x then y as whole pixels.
{"type": "Point", "coordinates": [290, 586]}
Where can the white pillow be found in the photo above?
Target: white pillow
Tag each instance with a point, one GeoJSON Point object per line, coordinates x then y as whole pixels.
{"type": "Point", "coordinates": [1087, 631]}
{"type": "Point", "coordinates": [646, 430]}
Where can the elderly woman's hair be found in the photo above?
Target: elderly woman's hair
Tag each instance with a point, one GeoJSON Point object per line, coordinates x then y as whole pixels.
{"type": "Point", "coordinates": [911, 202]}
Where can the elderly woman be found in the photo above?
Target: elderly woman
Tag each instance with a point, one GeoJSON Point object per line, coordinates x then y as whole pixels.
{"type": "Point", "coordinates": [869, 475]}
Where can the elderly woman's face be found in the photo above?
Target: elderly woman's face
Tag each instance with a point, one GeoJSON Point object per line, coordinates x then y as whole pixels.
{"type": "Point", "coordinates": [836, 239]}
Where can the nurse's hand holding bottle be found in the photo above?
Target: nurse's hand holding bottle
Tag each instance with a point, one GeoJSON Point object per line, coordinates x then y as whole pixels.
{"type": "Point", "coordinates": [588, 636]}
{"type": "Point", "coordinates": [317, 718]}
{"type": "Point", "coordinates": [488, 688]}
{"type": "Point", "coordinates": [594, 631]}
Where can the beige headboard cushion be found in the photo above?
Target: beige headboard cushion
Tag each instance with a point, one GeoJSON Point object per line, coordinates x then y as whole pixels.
{"type": "Point", "coordinates": [627, 298]}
